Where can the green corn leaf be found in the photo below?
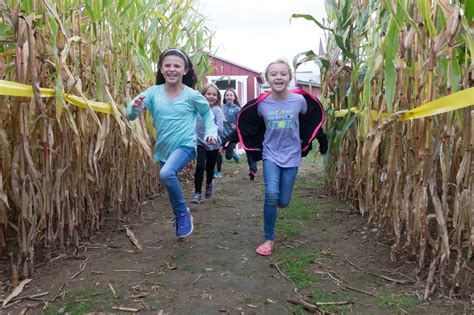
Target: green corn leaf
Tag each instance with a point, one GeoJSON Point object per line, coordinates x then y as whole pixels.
{"type": "Point", "coordinates": [339, 39]}
{"type": "Point", "coordinates": [469, 10]}
{"type": "Point", "coordinates": [469, 39]}
{"type": "Point", "coordinates": [389, 5]}
{"type": "Point", "coordinates": [90, 11]}
{"type": "Point", "coordinates": [424, 6]}
{"type": "Point", "coordinates": [348, 121]}
{"type": "Point", "coordinates": [308, 55]}
{"type": "Point", "coordinates": [403, 14]}
{"type": "Point", "coordinates": [455, 73]}
{"type": "Point", "coordinates": [346, 14]}
{"type": "Point", "coordinates": [4, 30]}
{"type": "Point", "coordinates": [390, 82]}
{"type": "Point", "coordinates": [97, 7]}
{"type": "Point", "coordinates": [146, 65]}
{"type": "Point", "coordinates": [311, 18]}
{"type": "Point", "coordinates": [331, 8]}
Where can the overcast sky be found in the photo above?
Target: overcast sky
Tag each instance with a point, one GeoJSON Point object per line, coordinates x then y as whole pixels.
{"type": "Point", "coordinates": [253, 33]}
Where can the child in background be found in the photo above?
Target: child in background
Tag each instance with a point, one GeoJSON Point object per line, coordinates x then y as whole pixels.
{"type": "Point", "coordinates": [231, 111]}
{"type": "Point", "coordinates": [278, 128]}
{"type": "Point", "coordinates": [175, 106]}
{"type": "Point", "coordinates": [207, 152]}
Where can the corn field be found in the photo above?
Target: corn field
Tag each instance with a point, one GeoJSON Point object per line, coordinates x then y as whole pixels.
{"type": "Point", "coordinates": [414, 177]}
{"type": "Point", "coordinates": [66, 171]}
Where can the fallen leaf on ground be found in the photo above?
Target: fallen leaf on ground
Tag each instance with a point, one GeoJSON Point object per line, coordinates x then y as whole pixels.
{"type": "Point", "coordinates": [16, 291]}
{"type": "Point", "coordinates": [126, 309]}
{"type": "Point", "coordinates": [133, 239]}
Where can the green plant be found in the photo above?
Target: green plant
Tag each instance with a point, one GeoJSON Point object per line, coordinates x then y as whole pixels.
{"type": "Point", "coordinates": [397, 301]}
{"type": "Point", "coordinates": [83, 301]}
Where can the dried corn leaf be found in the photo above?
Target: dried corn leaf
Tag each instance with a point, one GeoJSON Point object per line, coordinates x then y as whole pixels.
{"type": "Point", "coordinates": [16, 291]}
{"type": "Point", "coordinates": [133, 239]}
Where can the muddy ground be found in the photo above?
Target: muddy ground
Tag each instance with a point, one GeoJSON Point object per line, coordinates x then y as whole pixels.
{"type": "Point", "coordinates": [325, 254]}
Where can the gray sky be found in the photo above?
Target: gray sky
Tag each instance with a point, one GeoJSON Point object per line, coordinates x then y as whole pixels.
{"type": "Point", "coordinates": [253, 33]}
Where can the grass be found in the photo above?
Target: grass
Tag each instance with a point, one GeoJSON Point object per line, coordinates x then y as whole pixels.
{"type": "Point", "coordinates": [298, 310]}
{"type": "Point", "coordinates": [292, 222]}
{"type": "Point", "coordinates": [297, 267]}
{"type": "Point", "coordinates": [296, 262]}
{"type": "Point", "coordinates": [83, 301]}
{"type": "Point", "coordinates": [397, 301]}
{"type": "Point", "coordinates": [191, 268]}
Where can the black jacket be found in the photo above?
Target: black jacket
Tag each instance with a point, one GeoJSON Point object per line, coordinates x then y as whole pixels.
{"type": "Point", "coordinates": [251, 126]}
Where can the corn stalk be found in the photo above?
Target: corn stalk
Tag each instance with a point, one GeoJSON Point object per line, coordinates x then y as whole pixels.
{"type": "Point", "coordinates": [66, 171]}
{"type": "Point", "coordinates": [412, 177]}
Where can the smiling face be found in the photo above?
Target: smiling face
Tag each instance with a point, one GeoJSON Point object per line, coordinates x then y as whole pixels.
{"type": "Point", "coordinates": [212, 96]}
{"type": "Point", "coordinates": [229, 97]}
{"type": "Point", "coordinates": [278, 76]}
{"type": "Point", "coordinates": [173, 69]}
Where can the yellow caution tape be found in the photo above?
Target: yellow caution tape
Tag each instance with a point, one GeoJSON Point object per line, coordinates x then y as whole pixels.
{"type": "Point", "coordinates": [374, 115]}
{"type": "Point", "coordinates": [96, 106]}
{"type": "Point", "coordinates": [9, 88]}
{"type": "Point", "coordinates": [344, 112]}
{"type": "Point", "coordinates": [444, 104]}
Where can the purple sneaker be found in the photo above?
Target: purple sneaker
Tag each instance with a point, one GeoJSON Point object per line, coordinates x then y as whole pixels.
{"type": "Point", "coordinates": [209, 191]}
{"type": "Point", "coordinates": [184, 224]}
{"type": "Point", "coordinates": [196, 198]}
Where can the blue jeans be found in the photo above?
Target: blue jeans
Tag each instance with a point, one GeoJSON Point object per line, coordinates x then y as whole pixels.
{"type": "Point", "coordinates": [169, 176]}
{"type": "Point", "coordinates": [279, 183]}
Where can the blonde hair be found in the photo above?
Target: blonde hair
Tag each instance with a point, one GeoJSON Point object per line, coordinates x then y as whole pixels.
{"type": "Point", "coordinates": [282, 61]}
{"type": "Point", "coordinates": [209, 85]}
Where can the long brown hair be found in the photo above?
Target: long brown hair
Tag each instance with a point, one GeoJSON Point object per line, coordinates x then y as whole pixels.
{"type": "Point", "coordinates": [209, 85]}
{"type": "Point", "coordinates": [236, 99]}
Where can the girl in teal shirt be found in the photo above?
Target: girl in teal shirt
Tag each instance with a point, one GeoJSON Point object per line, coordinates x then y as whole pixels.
{"type": "Point", "coordinates": [175, 106]}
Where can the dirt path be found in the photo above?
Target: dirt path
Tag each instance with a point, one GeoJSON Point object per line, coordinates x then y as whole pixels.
{"type": "Point", "coordinates": [326, 254]}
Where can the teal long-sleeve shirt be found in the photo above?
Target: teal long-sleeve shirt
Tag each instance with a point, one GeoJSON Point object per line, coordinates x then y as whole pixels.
{"type": "Point", "coordinates": [175, 120]}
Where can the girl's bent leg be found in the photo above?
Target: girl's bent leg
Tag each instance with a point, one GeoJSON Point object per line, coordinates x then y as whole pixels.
{"type": "Point", "coordinates": [219, 163]}
{"type": "Point", "coordinates": [169, 177]}
{"type": "Point", "coordinates": [200, 166]}
{"type": "Point", "coordinates": [271, 177]}
{"type": "Point", "coordinates": [287, 181]}
{"type": "Point", "coordinates": [211, 159]}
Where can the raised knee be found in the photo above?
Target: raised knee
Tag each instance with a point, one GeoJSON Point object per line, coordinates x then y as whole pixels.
{"type": "Point", "coordinates": [283, 205]}
{"type": "Point", "coordinates": [271, 198]}
{"type": "Point", "coordinates": [165, 176]}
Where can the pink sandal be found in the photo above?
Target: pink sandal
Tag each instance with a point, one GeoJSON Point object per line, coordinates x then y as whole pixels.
{"type": "Point", "coordinates": [264, 250]}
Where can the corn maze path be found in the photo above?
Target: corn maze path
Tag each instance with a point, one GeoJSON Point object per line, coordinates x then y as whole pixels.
{"type": "Point", "coordinates": [325, 253]}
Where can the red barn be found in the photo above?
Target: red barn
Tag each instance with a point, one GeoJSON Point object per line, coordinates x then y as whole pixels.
{"type": "Point", "coordinates": [310, 87]}
{"type": "Point", "coordinates": [226, 74]}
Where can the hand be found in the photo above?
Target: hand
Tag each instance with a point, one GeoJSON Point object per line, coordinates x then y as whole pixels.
{"type": "Point", "coordinates": [138, 104]}
{"type": "Point", "coordinates": [211, 140]}
{"type": "Point", "coordinates": [323, 148]}
{"type": "Point", "coordinates": [232, 126]}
